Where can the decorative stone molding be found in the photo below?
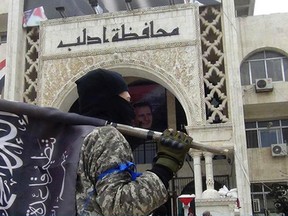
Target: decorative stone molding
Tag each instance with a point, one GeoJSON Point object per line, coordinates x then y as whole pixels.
{"type": "Point", "coordinates": [195, 153]}
{"type": "Point", "coordinates": [156, 65]}
{"type": "Point", "coordinates": [217, 207]}
{"type": "Point", "coordinates": [31, 65]}
{"type": "Point", "coordinates": [122, 50]}
{"type": "Point", "coordinates": [212, 59]}
{"type": "Point", "coordinates": [173, 62]}
{"type": "Point", "coordinates": [119, 14]}
{"type": "Point", "coordinates": [213, 65]}
{"type": "Point", "coordinates": [170, 57]}
{"type": "Point", "coordinates": [209, 134]}
{"type": "Point", "coordinates": [210, 182]}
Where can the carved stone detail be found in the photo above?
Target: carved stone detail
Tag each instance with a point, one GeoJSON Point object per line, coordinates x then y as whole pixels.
{"type": "Point", "coordinates": [31, 65]}
{"type": "Point", "coordinates": [210, 182]}
{"type": "Point", "coordinates": [213, 65]}
{"type": "Point", "coordinates": [175, 65]}
{"type": "Point", "coordinates": [173, 68]}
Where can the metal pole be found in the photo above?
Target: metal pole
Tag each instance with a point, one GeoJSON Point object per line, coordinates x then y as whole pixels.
{"type": "Point", "coordinates": [55, 115]}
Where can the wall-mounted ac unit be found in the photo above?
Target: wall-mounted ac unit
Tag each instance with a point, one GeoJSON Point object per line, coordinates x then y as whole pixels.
{"type": "Point", "coordinates": [256, 205]}
{"type": "Point", "coordinates": [279, 149]}
{"type": "Point", "coordinates": [263, 85]}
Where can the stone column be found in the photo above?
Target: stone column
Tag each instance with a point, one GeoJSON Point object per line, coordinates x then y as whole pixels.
{"type": "Point", "coordinates": [209, 170]}
{"type": "Point", "coordinates": [210, 192]}
{"type": "Point", "coordinates": [14, 79]}
{"type": "Point", "coordinates": [232, 47]}
{"type": "Point", "coordinates": [196, 155]}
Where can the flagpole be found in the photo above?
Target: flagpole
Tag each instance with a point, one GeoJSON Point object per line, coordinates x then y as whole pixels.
{"type": "Point", "coordinates": [55, 115]}
{"type": "Point", "coordinates": [50, 113]}
{"type": "Point", "coordinates": [155, 135]}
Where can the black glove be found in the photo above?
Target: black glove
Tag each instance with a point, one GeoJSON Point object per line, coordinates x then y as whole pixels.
{"type": "Point", "coordinates": [172, 149]}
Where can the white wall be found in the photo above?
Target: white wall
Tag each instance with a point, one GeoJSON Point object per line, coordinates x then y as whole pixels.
{"type": "Point", "coordinates": [4, 6]}
{"type": "Point", "coordinates": [4, 15]}
{"type": "Point", "coordinates": [256, 32]}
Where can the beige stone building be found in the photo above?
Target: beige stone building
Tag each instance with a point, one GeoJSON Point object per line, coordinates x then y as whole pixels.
{"type": "Point", "coordinates": [214, 69]}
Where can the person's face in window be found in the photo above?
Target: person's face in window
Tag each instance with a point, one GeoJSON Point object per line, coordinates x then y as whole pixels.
{"type": "Point", "coordinates": [143, 117]}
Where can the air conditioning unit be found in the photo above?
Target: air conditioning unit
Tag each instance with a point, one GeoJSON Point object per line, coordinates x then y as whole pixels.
{"type": "Point", "coordinates": [279, 149]}
{"type": "Point", "coordinates": [256, 205]}
{"type": "Point", "coordinates": [263, 85]}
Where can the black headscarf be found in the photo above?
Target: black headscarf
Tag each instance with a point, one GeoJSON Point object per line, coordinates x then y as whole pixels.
{"type": "Point", "coordinates": [99, 91]}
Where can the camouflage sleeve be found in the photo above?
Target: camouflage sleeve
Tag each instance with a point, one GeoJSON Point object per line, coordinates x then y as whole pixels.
{"type": "Point", "coordinates": [116, 194]}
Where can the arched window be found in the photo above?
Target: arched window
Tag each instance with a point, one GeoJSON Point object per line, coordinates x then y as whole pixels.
{"type": "Point", "coordinates": [264, 64]}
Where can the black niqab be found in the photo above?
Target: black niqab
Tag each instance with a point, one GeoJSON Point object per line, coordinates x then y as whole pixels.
{"type": "Point", "coordinates": [99, 91]}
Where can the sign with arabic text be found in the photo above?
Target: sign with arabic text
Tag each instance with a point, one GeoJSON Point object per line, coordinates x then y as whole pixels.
{"type": "Point", "coordinates": [109, 31]}
{"type": "Point", "coordinates": [120, 34]}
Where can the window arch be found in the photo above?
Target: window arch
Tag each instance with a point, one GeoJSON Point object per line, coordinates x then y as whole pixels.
{"type": "Point", "coordinates": [264, 64]}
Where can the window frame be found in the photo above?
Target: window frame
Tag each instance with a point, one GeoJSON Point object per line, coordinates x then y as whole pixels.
{"type": "Point", "coordinates": [3, 37]}
{"type": "Point", "coordinates": [254, 126]}
{"type": "Point", "coordinates": [264, 59]}
{"type": "Point", "coordinates": [263, 196]}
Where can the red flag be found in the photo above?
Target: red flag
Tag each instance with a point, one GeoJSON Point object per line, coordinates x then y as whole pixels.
{"type": "Point", "coordinates": [2, 74]}
{"type": "Point", "coordinates": [2, 64]}
{"type": "Point", "coordinates": [33, 17]}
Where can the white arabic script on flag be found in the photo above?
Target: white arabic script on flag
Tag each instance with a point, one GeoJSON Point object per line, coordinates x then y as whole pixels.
{"type": "Point", "coordinates": [39, 153]}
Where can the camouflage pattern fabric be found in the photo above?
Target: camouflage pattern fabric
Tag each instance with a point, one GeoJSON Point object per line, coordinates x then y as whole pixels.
{"type": "Point", "coordinates": [115, 194]}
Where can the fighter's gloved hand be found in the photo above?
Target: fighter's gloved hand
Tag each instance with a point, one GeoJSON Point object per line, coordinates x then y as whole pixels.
{"type": "Point", "coordinates": [172, 149]}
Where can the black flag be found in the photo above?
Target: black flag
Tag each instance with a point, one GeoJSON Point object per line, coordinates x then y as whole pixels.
{"type": "Point", "coordinates": [39, 153]}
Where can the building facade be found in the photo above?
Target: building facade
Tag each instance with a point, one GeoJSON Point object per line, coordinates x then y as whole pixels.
{"type": "Point", "coordinates": [224, 80]}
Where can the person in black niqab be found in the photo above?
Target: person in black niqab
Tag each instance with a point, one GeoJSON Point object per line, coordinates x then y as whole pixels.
{"type": "Point", "coordinates": [104, 94]}
{"type": "Point", "coordinates": [106, 174]}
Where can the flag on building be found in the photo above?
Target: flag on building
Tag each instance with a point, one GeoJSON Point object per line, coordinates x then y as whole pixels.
{"type": "Point", "coordinates": [39, 153]}
{"type": "Point", "coordinates": [33, 17]}
{"type": "Point", "coordinates": [2, 74]}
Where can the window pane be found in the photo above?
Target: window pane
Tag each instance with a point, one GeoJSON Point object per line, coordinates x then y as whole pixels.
{"type": "Point", "coordinates": [269, 137]}
{"type": "Point", "coordinates": [274, 69]}
{"type": "Point", "coordinates": [3, 39]}
{"type": "Point", "coordinates": [284, 122]}
{"type": "Point", "coordinates": [250, 125]}
{"type": "Point", "coordinates": [265, 124]}
{"type": "Point", "coordinates": [257, 70]}
{"type": "Point", "coordinates": [150, 151]}
{"type": "Point", "coordinates": [251, 139]}
{"type": "Point", "coordinates": [244, 72]}
{"type": "Point", "coordinates": [259, 55]}
{"type": "Point", "coordinates": [145, 152]}
{"type": "Point", "coordinates": [271, 54]}
{"type": "Point", "coordinates": [270, 203]}
{"type": "Point", "coordinates": [255, 187]}
{"type": "Point", "coordinates": [139, 154]}
{"type": "Point", "coordinates": [267, 186]}
{"type": "Point", "coordinates": [285, 135]}
{"type": "Point", "coordinates": [285, 64]}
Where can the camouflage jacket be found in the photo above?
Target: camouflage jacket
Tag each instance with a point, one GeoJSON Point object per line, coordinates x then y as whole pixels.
{"type": "Point", "coordinates": [116, 193]}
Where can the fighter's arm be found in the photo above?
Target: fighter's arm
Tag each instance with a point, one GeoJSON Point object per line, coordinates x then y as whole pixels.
{"type": "Point", "coordinates": [116, 193]}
